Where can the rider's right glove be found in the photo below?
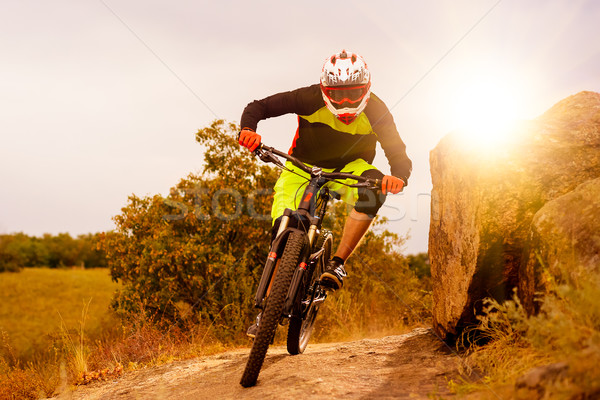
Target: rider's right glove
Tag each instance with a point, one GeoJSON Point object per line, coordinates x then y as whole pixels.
{"type": "Point", "coordinates": [249, 139]}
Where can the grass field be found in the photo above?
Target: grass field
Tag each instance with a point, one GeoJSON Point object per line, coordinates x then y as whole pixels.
{"type": "Point", "coordinates": [35, 302]}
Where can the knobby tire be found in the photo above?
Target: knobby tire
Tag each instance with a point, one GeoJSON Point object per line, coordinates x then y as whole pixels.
{"type": "Point", "coordinates": [273, 308]}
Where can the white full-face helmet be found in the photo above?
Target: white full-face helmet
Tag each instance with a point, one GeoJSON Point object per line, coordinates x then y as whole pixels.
{"type": "Point", "coordinates": [345, 85]}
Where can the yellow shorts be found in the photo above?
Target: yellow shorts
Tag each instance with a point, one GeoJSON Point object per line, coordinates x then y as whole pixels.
{"type": "Point", "coordinates": [290, 187]}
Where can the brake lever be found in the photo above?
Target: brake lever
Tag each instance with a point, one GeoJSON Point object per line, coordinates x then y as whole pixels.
{"type": "Point", "coordinates": [264, 153]}
{"type": "Point", "coordinates": [258, 152]}
{"type": "Point", "coordinates": [374, 184]}
{"type": "Point", "coordinates": [378, 184]}
{"type": "Point", "coordinates": [369, 184]}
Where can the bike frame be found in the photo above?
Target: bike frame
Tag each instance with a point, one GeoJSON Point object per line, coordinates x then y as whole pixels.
{"type": "Point", "coordinates": [312, 207]}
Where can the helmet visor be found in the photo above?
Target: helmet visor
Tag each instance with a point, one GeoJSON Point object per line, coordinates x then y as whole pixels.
{"type": "Point", "coordinates": [345, 94]}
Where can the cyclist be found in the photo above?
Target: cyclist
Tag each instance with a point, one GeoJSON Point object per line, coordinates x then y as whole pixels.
{"type": "Point", "coordinates": [339, 124]}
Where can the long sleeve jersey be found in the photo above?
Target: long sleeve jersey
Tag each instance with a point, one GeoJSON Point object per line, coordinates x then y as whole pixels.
{"type": "Point", "coordinates": [322, 140]}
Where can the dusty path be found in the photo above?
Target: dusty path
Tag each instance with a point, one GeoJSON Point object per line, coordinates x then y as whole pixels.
{"type": "Point", "coordinates": [413, 365]}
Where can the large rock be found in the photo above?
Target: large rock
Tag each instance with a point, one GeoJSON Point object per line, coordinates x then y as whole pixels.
{"type": "Point", "coordinates": [483, 202]}
{"type": "Point", "coordinates": [564, 241]}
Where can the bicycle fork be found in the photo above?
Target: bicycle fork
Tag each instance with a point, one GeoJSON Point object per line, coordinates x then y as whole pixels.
{"type": "Point", "coordinates": [272, 259]}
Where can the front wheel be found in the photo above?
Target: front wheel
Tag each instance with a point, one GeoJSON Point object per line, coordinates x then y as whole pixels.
{"type": "Point", "coordinates": [300, 329]}
{"type": "Point", "coordinates": [273, 308]}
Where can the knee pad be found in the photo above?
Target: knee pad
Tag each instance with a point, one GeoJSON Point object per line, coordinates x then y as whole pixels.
{"type": "Point", "coordinates": [369, 200]}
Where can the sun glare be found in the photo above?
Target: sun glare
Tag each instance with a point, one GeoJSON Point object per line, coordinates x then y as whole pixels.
{"type": "Point", "coordinates": [484, 110]}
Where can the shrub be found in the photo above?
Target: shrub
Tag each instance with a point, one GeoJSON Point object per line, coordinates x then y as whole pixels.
{"type": "Point", "coordinates": [196, 255]}
{"type": "Point", "coordinates": [567, 329]}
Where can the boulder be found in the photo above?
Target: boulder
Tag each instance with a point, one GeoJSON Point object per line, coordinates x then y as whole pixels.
{"type": "Point", "coordinates": [484, 200]}
{"type": "Point", "coordinates": [564, 241]}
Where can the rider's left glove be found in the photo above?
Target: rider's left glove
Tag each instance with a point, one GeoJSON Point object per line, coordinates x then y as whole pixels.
{"type": "Point", "coordinates": [391, 184]}
{"type": "Point", "coordinates": [249, 139]}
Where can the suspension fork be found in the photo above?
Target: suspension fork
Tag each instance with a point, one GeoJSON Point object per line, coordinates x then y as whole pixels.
{"type": "Point", "coordinates": [266, 279]}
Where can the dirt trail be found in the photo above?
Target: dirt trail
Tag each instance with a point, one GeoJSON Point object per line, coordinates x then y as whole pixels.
{"type": "Point", "coordinates": [413, 365]}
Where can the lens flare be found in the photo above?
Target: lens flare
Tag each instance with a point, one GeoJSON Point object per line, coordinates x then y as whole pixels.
{"type": "Point", "coordinates": [485, 110]}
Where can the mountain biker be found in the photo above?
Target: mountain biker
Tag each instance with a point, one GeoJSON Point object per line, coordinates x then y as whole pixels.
{"type": "Point", "coordinates": [339, 124]}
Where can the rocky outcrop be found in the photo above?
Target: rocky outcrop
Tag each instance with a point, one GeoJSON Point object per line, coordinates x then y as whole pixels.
{"type": "Point", "coordinates": [484, 200]}
{"type": "Point", "coordinates": [564, 240]}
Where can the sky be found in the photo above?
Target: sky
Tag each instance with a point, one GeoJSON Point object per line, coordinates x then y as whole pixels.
{"type": "Point", "coordinates": [102, 99]}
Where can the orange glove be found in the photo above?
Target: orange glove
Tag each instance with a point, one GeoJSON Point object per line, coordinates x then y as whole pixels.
{"type": "Point", "coordinates": [391, 184]}
{"type": "Point", "coordinates": [249, 139]}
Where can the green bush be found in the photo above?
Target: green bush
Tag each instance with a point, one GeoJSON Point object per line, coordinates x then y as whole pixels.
{"type": "Point", "coordinates": [196, 255]}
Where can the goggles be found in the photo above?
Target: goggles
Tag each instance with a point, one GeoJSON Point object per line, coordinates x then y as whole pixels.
{"type": "Point", "coordinates": [345, 94]}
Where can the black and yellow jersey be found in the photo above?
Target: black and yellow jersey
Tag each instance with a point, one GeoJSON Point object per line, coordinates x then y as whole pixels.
{"type": "Point", "coordinates": [321, 139]}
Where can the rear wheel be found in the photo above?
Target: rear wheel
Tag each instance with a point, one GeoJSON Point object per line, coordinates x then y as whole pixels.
{"type": "Point", "coordinates": [300, 329]}
{"type": "Point", "coordinates": [273, 308]}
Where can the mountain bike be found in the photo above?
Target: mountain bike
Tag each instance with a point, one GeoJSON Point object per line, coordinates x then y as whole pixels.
{"type": "Point", "coordinates": [289, 291]}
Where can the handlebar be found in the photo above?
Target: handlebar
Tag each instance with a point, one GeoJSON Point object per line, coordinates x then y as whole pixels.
{"type": "Point", "coordinates": [267, 154]}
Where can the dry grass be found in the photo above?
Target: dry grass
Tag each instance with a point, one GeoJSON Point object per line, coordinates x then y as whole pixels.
{"type": "Point", "coordinates": [78, 360]}
{"type": "Point", "coordinates": [76, 350]}
{"type": "Point", "coordinates": [56, 331]}
{"type": "Point", "coordinates": [36, 304]}
{"type": "Point", "coordinates": [567, 329]}
{"type": "Point", "coordinates": [47, 317]}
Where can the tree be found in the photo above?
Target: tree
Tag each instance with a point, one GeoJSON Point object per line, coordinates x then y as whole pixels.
{"type": "Point", "coordinates": [197, 253]}
{"type": "Point", "coordinates": [62, 250]}
{"type": "Point", "coordinates": [88, 252]}
{"type": "Point", "coordinates": [419, 263]}
{"type": "Point", "coordinates": [19, 250]}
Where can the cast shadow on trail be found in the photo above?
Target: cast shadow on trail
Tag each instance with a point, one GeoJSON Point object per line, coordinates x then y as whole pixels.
{"type": "Point", "coordinates": [422, 366]}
